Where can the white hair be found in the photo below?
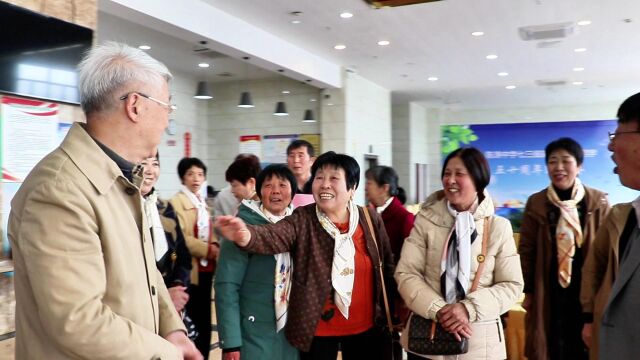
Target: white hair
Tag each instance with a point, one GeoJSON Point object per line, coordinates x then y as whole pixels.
{"type": "Point", "coordinates": [107, 68]}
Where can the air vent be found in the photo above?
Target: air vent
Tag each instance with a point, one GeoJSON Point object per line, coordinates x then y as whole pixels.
{"type": "Point", "coordinates": [205, 52]}
{"type": "Point", "coordinates": [393, 3]}
{"type": "Point", "coordinates": [551, 82]}
{"type": "Point", "coordinates": [548, 44]}
{"type": "Point", "coordinates": [546, 32]}
{"type": "Point", "coordinates": [225, 74]}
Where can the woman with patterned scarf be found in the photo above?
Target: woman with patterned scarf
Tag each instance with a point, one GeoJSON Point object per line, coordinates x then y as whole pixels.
{"type": "Point", "coordinates": [193, 215]}
{"type": "Point", "coordinates": [441, 256]}
{"type": "Point", "coordinates": [336, 297]}
{"type": "Point", "coordinates": [252, 291]}
{"type": "Point", "coordinates": [559, 224]}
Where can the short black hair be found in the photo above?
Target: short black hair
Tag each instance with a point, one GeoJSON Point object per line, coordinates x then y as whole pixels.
{"type": "Point", "coordinates": [243, 169]}
{"type": "Point", "coordinates": [629, 110]}
{"type": "Point", "coordinates": [476, 164]}
{"type": "Point", "coordinates": [339, 161]}
{"type": "Point", "coordinates": [280, 171]}
{"type": "Point", "coordinates": [568, 144]}
{"type": "Point", "coordinates": [186, 163]}
{"type": "Point", "coordinates": [296, 144]}
{"type": "Point", "coordinates": [383, 175]}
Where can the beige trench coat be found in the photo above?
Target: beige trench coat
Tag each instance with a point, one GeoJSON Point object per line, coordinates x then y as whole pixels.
{"type": "Point", "coordinates": [86, 282]}
{"type": "Point", "coordinates": [500, 285]}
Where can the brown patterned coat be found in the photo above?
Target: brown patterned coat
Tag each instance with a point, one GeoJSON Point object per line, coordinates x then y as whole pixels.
{"type": "Point", "coordinates": [311, 248]}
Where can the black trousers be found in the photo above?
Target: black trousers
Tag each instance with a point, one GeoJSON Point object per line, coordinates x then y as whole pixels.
{"type": "Point", "coordinates": [367, 345]}
{"type": "Point", "coordinates": [199, 309]}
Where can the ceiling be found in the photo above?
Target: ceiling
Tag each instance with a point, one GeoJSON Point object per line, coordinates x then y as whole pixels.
{"type": "Point", "coordinates": [434, 39]}
{"type": "Point", "coordinates": [178, 54]}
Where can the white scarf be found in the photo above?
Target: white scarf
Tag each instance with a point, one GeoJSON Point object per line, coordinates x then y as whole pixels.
{"type": "Point", "coordinates": [344, 252]}
{"type": "Point", "coordinates": [160, 244]}
{"type": "Point", "coordinates": [384, 206]}
{"type": "Point", "coordinates": [202, 221]}
{"type": "Point", "coordinates": [456, 261]}
{"type": "Point", "coordinates": [284, 266]}
{"type": "Point", "coordinates": [568, 230]}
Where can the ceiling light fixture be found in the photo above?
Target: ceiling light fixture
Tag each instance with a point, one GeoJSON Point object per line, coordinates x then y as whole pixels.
{"type": "Point", "coordinates": [286, 92]}
{"type": "Point", "coordinates": [578, 69]}
{"type": "Point", "coordinates": [245, 97]}
{"type": "Point", "coordinates": [432, 78]}
{"type": "Point", "coordinates": [203, 65]}
{"type": "Point", "coordinates": [492, 57]}
{"type": "Point", "coordinates": [346, 15]}
{"type": "Point", "coordinates": [384, 42]}
{"type": "Point", "coordinates": [296, 21]}
{"type": "Point", "coordinates": [510, 87]}
{"type": "Point", "coordinates": [313, 100]}
{"type": "Point", "coordinates": [203, 92]}
{"type": "Point", "coordinates": [584, 22]}
{"type": "Point", "coordinates": [281, 109]}
{"type": "Point", "coordinates": [308, 116]}
{"type": "Point", "coordinates": [579, 50]}
{"type": "Point", "coordinates": [144, 47]}
{"type": "Point", "coordinates": [340, 47]}
{"type": "Point", "coordinates": [578, 82]}
{"type": "Point", "coordinates": [503, 74]}
{"type": "Point", "coordinates": [477, 33]}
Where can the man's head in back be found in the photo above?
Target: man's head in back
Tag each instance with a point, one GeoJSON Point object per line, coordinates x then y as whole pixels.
{"type": "Point", "coordinates": [625, 143]}
{"type": "Point", "coordinates": [300, 156]}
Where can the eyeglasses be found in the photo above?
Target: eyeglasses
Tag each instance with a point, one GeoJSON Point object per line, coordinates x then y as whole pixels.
{"type": "Point", "coordinates": [613, 135]}
{"type": "Point", "coordinates": [170, 107]}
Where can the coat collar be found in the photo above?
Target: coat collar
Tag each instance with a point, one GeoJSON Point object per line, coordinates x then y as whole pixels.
{"type": "Point", "coordinates": [435, 209]}
{"type": "Point", "coordinates": [92, 161]}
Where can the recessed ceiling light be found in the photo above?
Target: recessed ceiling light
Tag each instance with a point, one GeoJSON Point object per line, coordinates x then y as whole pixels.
{"type": "Point", "coordinates": [432, 78]}
{"type": "Point", "coordinates": [313, 100]}
{"type": "Point", "coordinates": [578, 82]}
{"type": "Point", "coordinates": [578, 69]}
{"type": "Point", "coordinates": [144, 47]}
{"type": "Point", "coordinates": [329, 104]}
{"type": "Point", "coordinates": [203, 65]}
{"type": "Point", "coordinates": [286, 92]}
{"type": "Point", "coordinates": [384, 42]}
{"type": "Point", "coordinates": [492, 57]}
{"type": "Point", "coordinates": [340, 47]}
{"type": "Point", "coordinates": [584, 22]}
{"type": "Point", "coordinates": [580, 49]}
{"type": "Point", "coordinates": [503, 74]}
{"type": "Point", "coordinates": [510, 87]}
{"type": "Point", "coordinates": [346, 15]}
{"type": "Point", "coordinates": [296, 21]}
{"type": "Point", "coordinates": [477, 33]}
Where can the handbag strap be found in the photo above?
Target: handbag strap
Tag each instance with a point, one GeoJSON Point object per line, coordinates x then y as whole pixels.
{"type": "Point", "coordinates": [384, 289]}
{"type": "Point", "coordinates": [483, 254]}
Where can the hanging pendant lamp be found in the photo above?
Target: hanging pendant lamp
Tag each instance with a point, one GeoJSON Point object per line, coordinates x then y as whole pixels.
{"type": "Point", "coordinates": [308, 116]}
{"type": "Point", "coordinates": [203, 92]}
{"type": "Point", "coordinates": [281, 109]}
{"type": "Point", "coordinates": [245, 100]}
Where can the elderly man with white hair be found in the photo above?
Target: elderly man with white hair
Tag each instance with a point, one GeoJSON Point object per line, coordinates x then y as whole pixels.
{"type": "Point", "coordinates": [85, 275]}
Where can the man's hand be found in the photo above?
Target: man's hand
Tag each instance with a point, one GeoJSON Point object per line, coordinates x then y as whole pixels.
{"type": "Point", "coordinates": [179, 296]}
{"type": "Point", "coordinates": [233, 355]}
{"type": "Point", "coordinates": [234, 229]}
{"type": "Point", "coordinates": [184, 345]}
{"type": "Point", "coordinates": [587, 333]}
{"type": "Point", "coordinates": [454, 318]}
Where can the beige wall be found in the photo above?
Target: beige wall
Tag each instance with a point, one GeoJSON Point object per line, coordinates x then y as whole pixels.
{"type": "Point", "coordinates": [81, 12]}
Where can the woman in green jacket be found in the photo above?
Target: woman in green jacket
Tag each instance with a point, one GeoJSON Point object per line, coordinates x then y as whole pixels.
{"type": "Point", "coordinates": [251, 290]}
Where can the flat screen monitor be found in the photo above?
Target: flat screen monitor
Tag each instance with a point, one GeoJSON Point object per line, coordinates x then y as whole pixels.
{"type": "Point", "coordinates": [39, 54]}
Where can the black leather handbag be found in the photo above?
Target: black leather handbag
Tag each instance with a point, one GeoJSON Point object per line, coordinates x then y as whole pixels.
{"type": "Point", "coordinates": [428, 337]}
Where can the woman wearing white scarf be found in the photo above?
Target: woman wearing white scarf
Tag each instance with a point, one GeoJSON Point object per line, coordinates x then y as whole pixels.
{"type": "Point", "coordinates": [193, 216]}
{"type": "Point", "coordinates": [441, 259]}
{"type": "Point", "coordinates": [558, 227]}
{"type": "Point", "coordinates": [337, 261]}
{"type": "Point", "coordinates": [257, 287]}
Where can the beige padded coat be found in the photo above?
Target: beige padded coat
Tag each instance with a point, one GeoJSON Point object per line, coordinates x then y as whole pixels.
{"type": "Point", "coordinates": [500, 285]}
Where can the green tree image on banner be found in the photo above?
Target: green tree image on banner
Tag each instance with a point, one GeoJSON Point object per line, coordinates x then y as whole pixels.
{"type": "Point", "coordinates": [455, 136]}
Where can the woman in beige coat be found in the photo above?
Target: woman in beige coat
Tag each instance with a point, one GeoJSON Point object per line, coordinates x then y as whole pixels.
{"type": "Point", "coordinates": [440, 258]}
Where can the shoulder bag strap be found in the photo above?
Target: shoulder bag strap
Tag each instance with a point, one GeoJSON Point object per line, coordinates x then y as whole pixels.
{"type": "Point", "coordinates": [482, 257]}
{"type": "Point", "coordinates": [384, 289]}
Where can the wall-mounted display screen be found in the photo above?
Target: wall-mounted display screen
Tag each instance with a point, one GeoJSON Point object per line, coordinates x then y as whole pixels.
{"type": "Point", "coordinates": [39, 54]}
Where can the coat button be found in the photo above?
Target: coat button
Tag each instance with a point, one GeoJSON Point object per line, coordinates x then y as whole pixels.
{"type": "Point", "coordinates": [130, 191]}
{"type": "Point", "coordinates": [153, 290]}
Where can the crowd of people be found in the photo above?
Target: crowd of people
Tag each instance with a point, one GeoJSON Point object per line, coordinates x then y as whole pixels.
{"type": "Point", "coordinates": [106, 269]}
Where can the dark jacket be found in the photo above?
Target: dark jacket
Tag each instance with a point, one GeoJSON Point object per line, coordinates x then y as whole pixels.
{"type": "Point", "coordinates": [175, 265]}
{"type": "Point", "coordinates": [536, 250]}
{"type": "Point", "coordinates": [311, 248]}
